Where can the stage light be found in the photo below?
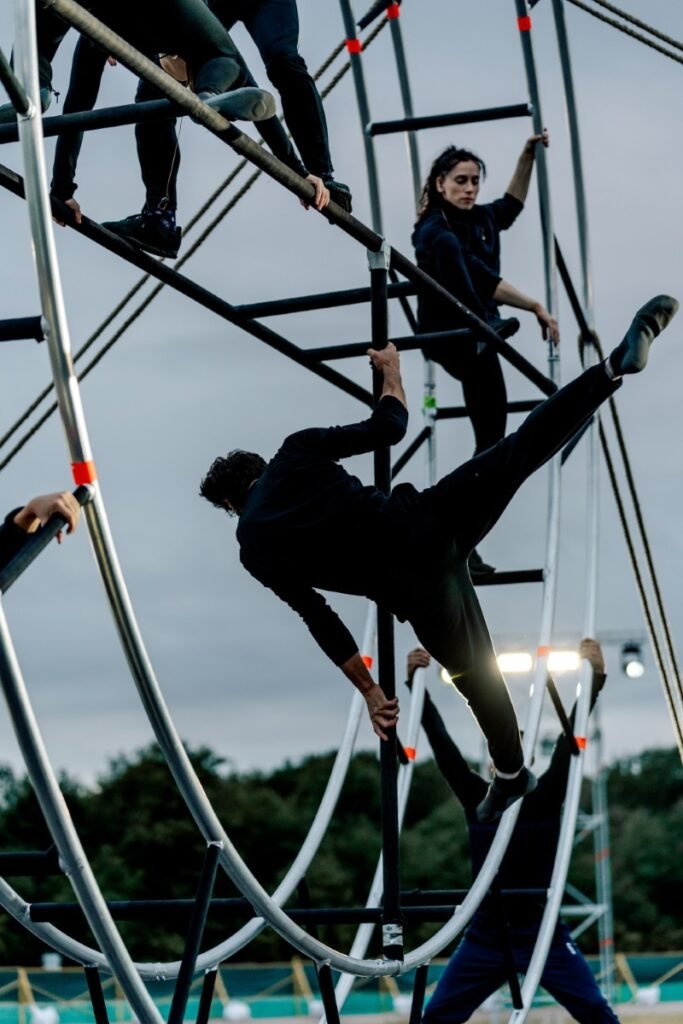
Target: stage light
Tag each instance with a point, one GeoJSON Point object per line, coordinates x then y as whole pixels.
{"type": "Point", "coordinates": [632, 660]}
{"type": "Point", "coordinates": [515, 662]}
{"type": "Point", "coordinates": [563, 661]}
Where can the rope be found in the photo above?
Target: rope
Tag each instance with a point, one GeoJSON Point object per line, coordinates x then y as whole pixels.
{"type": "Point", "coordinates": [142, 306]}
{"type": "Point", "coordinates": [627, 31]}
{"type": "Point", "coordinates": [640, 24]}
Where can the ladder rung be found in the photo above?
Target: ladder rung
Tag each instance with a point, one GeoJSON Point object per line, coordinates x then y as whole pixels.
{"type": "Point", "coordinates": [457, 412]}
{"type": "Point", "coordinates": [416, 124]}
{"type": "Point", "coordinates": [501, 579]}
{"type": "Point", "coordinates": [20, 328]}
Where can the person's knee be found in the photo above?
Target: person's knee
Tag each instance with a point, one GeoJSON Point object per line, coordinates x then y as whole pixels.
{"type": "Point", "coordinates": [285, 68]}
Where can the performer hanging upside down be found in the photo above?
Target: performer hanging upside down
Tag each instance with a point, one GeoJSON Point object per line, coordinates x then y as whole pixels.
{"type": "Point", "coordinates": [305, 523]}
{"type": "Point", "coordinates": [22, 522]}
{"type": "Point", "coordinates": [478, 967]}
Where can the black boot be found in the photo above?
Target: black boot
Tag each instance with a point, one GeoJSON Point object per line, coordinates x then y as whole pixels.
{"type": "Point", "coordinates": [631, 355]}
{"type": "Point", "coordinates": [148, 232]}
{"type": "Point", "coordinates": [503, 793]}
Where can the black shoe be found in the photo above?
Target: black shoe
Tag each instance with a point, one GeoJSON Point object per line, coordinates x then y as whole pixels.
{"type": "Point", "coordinates": [477, 565]}
{"type": "Point", "coordinates": [248, 104]}
{"type": "Point", "coordinates": [631, 355]}
{"type": "Point", "coordinates": [339, 193]}
{"type": "Point", "coordinates": [149, 233]}
{"type": "Point", "coordinates": [504, 327]}
{"type": "Point", "coordinates": [503, 793]}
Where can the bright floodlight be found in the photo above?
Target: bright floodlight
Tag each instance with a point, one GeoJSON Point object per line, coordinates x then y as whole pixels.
{"type": "Point", "coordinates": [632, 660]}
{"type": "Point", "coordinates": [563, 661]}
{"type": "Point", "coordinates": [515, 661]}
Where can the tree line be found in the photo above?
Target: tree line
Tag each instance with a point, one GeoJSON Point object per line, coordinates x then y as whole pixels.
{"type": "Point", "coordinates": [143, 844]}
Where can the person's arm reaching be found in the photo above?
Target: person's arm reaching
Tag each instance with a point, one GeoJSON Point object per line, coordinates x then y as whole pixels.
{"type": "Point", "coordinates": [386, 426]}
{"type": "Point", "coordinates": [468, 787]}
{"type": "Point", "coordinates": [22, 522]}
{"type": "Point", "coordinates": [507, 295]}
{"type": "Point", "coordinates": [519, 183]}
{"type": "Point", "coordinates": [334, 639]}
{"type": "Point", "coordinates": [552, 784]}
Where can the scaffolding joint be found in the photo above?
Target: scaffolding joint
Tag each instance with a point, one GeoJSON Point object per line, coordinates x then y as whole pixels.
{"type": "Point", "coordinates": [380, 259]}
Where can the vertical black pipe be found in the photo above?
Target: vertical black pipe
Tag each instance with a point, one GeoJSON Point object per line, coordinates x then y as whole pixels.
{"type": "Point", "coordinates": [194, 933]}
{"type": "Point", "coordinates": [99, 1007]}
{"type": "Point", "coordinates": [206, 998]}
{"type": "Point", "coordinates": [392, 930]}
{"type": "Point", "coordinates": [506, 946]}
{"type": "Point", "coordinates": [419, 989]}
{"type": "Point", "coordinates": [327, 994]}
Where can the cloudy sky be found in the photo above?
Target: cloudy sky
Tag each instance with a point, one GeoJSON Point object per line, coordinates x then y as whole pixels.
{"type": "Point", "coordinates": [240, 673]}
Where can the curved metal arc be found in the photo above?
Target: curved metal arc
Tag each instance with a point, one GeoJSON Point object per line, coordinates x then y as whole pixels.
{"type": "Point", "coordinates": [58, 820]}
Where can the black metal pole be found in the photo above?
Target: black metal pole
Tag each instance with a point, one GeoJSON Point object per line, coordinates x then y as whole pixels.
{"type": "Point", "coordinates": [327, 993]}
{"type": "Point", "coordinates": [416, 124]}
{"type": "Point", "coordinates": [321, 300]}
{"type": "Point", "coordinates": [21, 328]}
{"type": "Point", "coordinates": [32, 863]}
{"type": "Point", "coordinates": [206, 998]}
{"type": "Point", "coordinates": [392, 928]}
{"type": "Point", "coordinates": [103, 117]}
{"type": "Point", "coordinates": [36, 543]}
{"type": "Point", "coordinates": [13, 86]}
{"type": "Point", "coordinates": [567, 728]}
{"type": "Point", "coordinates": [99, 1006]}
{"type": "Point", "coordinates": [195, 932]}
{"type": "Point", "coordinates": [419, 989]}
{"type": "Point", "coordinates": [506, 945]}
{"type": "Point", "coordinates": [407, 455]}
{"type": "Point", "coordinates": [457, 412]}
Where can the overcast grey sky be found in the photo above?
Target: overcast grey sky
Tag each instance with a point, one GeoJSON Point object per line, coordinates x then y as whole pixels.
{"type": "Point", "coordinates": [239, 671]}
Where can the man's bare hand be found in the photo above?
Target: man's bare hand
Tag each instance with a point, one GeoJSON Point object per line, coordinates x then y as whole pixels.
{"type": "Point", "coordinates": [530, 144]}
{"type": "Point", "coordinates": [417, 658]}
{"type": "Point", "coordinates": [40, 509]}
{"type": "Point", "coordinates": [383, 713]}
{"type": "Point", "coordinates": [75, 208]}
{"type": "Point", "coordinates": [592, 652]}
{"type": "Point", "coordinates": [321, 198]}
{"type": "Point", "coordinates": [386, 359]}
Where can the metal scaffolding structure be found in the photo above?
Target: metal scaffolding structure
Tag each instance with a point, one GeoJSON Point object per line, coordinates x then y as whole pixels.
{"type": "Point", "coordinates": [386, 903]}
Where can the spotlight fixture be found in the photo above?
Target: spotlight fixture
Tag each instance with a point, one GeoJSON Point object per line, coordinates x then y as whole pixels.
{"type": "Point", "coordinates": [515, 661]}
{"type": "Point", "coordinates": [632, 660]}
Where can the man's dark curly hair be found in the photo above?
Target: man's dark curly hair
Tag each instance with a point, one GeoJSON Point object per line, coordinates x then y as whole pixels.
{"type": "Point", "coordinates": [229, 479]}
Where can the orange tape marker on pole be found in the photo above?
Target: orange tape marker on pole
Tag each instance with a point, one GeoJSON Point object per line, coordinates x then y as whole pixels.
{"type": "Point", "coordinates": [410, 753]}
{"type": "Point", "coordinates": [83, 472]}
{"type": "Point", "coordinates": [524, 24]}
{"type": "Point", "coordinates": [393, 11]}
{"type": "Point", "coordinates": [354, 45]}
{"type": "Point", "coordinates": [367, 660]}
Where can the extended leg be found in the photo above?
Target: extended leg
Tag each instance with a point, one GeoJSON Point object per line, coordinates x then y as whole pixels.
{"type": "Point", "coordinates": [568, 978]}
{"type": "Point", "coordinates": [449, 623]}
{"type": "Point", "coordinates": [473, 973]}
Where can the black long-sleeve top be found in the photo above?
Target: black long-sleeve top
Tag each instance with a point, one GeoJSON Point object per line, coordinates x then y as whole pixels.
{"type": "Point", "coordinates": [442, 238]}
{"type": "Point", "coordinates": [12, 538]}
{"type": "Point", "coordinates": [307, 524]}
{"type": "Point", "coordinates": [529, 859]}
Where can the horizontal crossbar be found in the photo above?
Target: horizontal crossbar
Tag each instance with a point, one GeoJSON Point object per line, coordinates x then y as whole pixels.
{"type": "Point", "coordinates": [321, 300]}
{"type": "Point", "coordinates": [22, 327]}
{"type": "Point", "coordinates": [416, 124]}
{"type": "Point", "coordinates": [103, 117]}
{"type": "Point", "coordinates": [457, 412]}
{"type": "Point", "coordinates": [502, 579]}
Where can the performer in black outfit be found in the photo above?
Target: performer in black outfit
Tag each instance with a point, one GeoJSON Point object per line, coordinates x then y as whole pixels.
{"type": "Point", "coordinates": [305, 523]}
{"type": "Point", "coordinates": [478, 966]}
{"type": "Point", "coordinates": [154, 229]}
{"type": "Point", "coordinates": [457, 242]}
{"type": "Point", "coordinates": [274, 27]}
{"type": "Point", "coordinates": [19, 524]}
{"type": "Point", "coordinates": [161, 26]}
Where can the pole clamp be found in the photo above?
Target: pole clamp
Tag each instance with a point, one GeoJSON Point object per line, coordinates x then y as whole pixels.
{"type": "Point", "coordinates": [392, 934]}
{"type": "Point", "coordinates": [380, 259]}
